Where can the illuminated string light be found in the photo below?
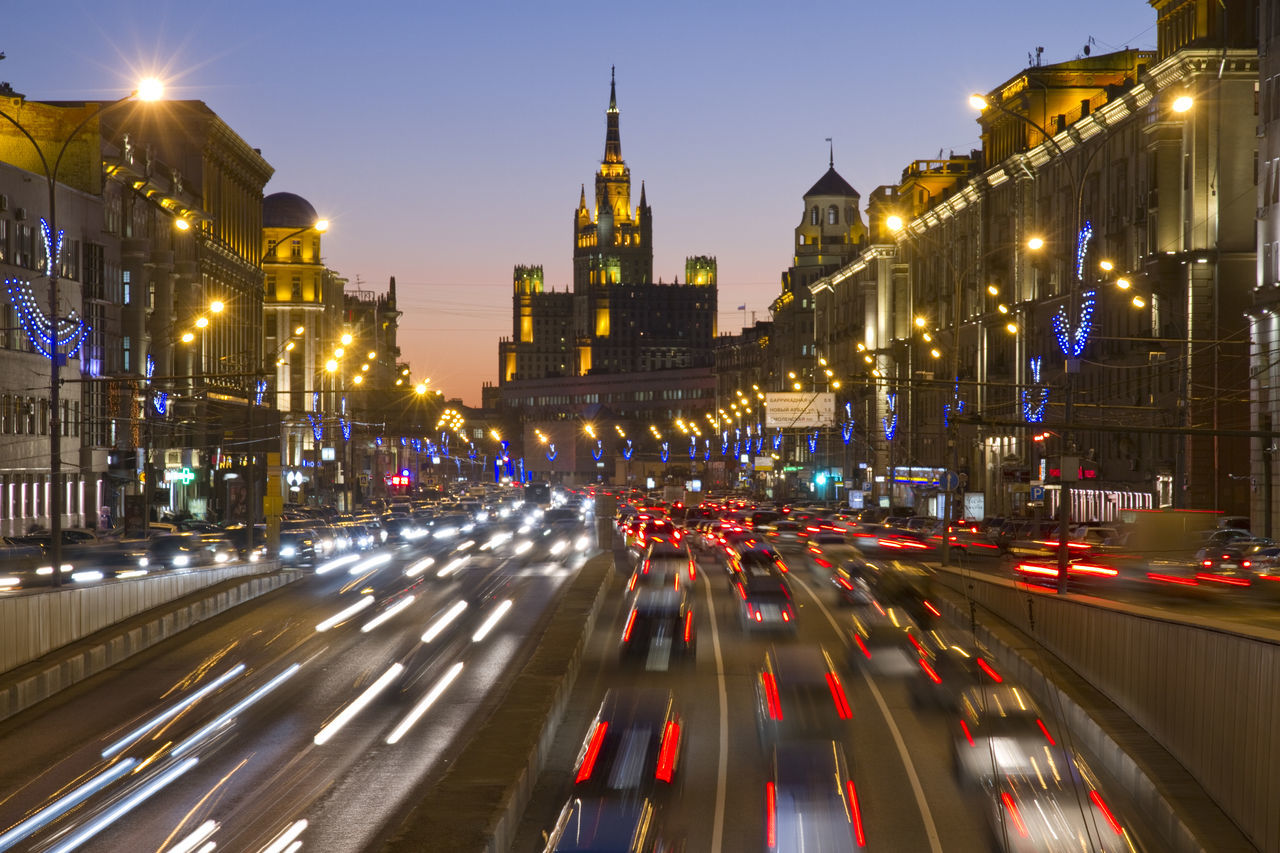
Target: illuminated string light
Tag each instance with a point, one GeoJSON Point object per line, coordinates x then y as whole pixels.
{"type": "Point", "coordinates": [1036, 398]}
{"type": "Point", "coordinates": [598, 451]}
{"type": "Point", "coordinates": [665, 453]}
{"type": "Point", "coordinates": [261, 392]}
{"type": "Point", "coordinates": [693, 447]}
{"type": "Point", "coordinates": [957, 405]}
{"type": "Point", "coordinates": [813, 442]}
{"type": "Point", "coordinates": [552, 453]}
{"type": "Point", "coordinates": [890, 422]}
{"type": "Point", "coordinates": [777, 440]}
{"type": "Point", "coordinates": [1082, 247]}
{"type": "Point", "coordinates": [706, 452]}
{"type": "Point", "coordinates": [628, 451]}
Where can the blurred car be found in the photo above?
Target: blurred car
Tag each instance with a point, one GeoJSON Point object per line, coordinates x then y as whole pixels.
{"type": "Point", "coordinates": [608, 825]}
{"type": "Point", "coordinates": [178, 551]}
{"type": "Point", "coordinates": [659, 626]}
{"type": "Point", "coordinates": [298, 548]}
{"type": "Point", "coordinates": [1233, 564]}
{"type": "Point", "coordinates": [948, 667]}
{"type": "Point", "coordinates": [883, 642]}
{"type": "Point", "coordinates": [827, 550]}
{"type": "Point", "coordinates": [1220, 538]}
{"type": "Point", "coordinates": [664, 566]}
{"type": "Point", "coordinates": [766, 599]}
{"type": "Point", "coordinates": [811, 802]}
{"type": "Point", "coordinates": [800, 695]}
{"type": "Point", "coordinates": [220, 546]}
{"type": "Point", "coordinates": [633, 746]}
{"type": "Point", "coordinates": [851, 585]}
{"type": "Point", "coordinates": [783, 532]}
{"type": "Point", "coordinates": [1001, 732]}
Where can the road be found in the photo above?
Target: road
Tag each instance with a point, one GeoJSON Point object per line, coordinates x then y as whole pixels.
{"type": "Point", "coordinates": [901, 757]}
{"type": "Point", "coordinates": [234, 730]}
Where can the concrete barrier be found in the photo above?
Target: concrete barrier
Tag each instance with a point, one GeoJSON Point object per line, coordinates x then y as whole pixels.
{"type": "Point", "coordinates": [1182, 714]}
{"type": "Point", "coordinates": [36, 681]}
{"type": "Point", "coordinates": [36, 623]}
{"type": "Point", "coordinates": [478, 804]}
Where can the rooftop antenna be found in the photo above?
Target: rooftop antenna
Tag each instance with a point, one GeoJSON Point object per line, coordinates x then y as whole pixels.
{"type": "Point", "coordinates": [831, 152]}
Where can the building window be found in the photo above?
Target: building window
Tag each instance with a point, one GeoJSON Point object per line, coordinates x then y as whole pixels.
{"type": "Point", "coordinates": [125, 279]}
{"type": "Point", "coordinates": [833, 215]}
{"type": "Point", "coordinates": [295, 288]}
{"type": "Point", "coordinates": [295, 249]}
{"type": "Point", "coordinates": [813, 217]}
{"type": "Point", "coordinates": [126, 346]}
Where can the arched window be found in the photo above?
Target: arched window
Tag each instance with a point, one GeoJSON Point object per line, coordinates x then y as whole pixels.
{"type": "Point", "coordinates": [813, 216]}
{"type": "Point", "coordinates": [833, 215]}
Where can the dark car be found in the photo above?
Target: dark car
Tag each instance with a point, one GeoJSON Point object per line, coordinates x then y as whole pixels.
{"type": "Point", "coordinates": [608, 825]}
{"type": "Point", "coordinates": [633, 746]}
{"type": "Point", "coordinates": [178, 552]}
{"type": "Point", "coordinates": [811, 801]}
{"type": "Point", "coordinates": [297, 548]}
{"type": "Point", "coordinates": [663, 563]}
{"type": "Point", "coordinates": [799, 694]}
{"type": "Point", "coordinates": [764, 592]}
{"type": "Point", "coordinates": [659, 626]}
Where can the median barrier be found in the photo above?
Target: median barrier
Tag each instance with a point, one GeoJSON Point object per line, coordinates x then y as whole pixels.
{"type": "Point", "coordinates": [71, 663]}
{"type": "Point", "coordinates": [478, 803]}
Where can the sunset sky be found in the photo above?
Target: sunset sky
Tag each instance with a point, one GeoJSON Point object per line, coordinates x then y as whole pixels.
{"type": "Point", "coordinates": [447, 142]}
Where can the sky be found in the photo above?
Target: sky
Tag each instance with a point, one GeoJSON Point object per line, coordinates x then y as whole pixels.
{"type": "Point", "coordinates": [447, 142]}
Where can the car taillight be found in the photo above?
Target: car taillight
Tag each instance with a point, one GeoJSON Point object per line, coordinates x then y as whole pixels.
{"type": "Point", "coordinates": [742, 592]}
{"type": "Point", "coordinates": [667, 752]}
{"type": "Point", "coordinates": [770, 815]}
{"type": "Point", "coordinates": [631, 623]}
{"type": "Point", "coordinates": [1012, 808]}
{"type": "Point", "coordinates": [786, 614]}
{"type": "Point", "coordinates": [756, 613]}
{"type": "Point", "coordinates": [932, 609]}
{"type": "Point", "coordinates": [1207, 563]}
{"type": "Point", "coordinates": [855, 811]}
{"type": "Point", "coordinates": [930, 671]}
{"type": "Point", "coordinates": [857, 638]}
{"type": "Point", "coordinates": [693, 570]}
{"type": "Point", "coordinates": [837, 695]}
{"type": "Point", "coordinates": [677, 583]}
{"type": "Point", "coordinates": [1106, 812]}
{"type": "Point", "coordinates": [592, 753]}
{"type": "Point", "coordinates": [631, 584]}
{"type": "Point", "coordinates": [645, 569]}
{"type": "Point", "coordinates": [986, 667]}
{"type": "Point", "coordinates": [1047, 736]}
{"type": "Point", "coordinates": [844, 583]}
{"type": "Point", "coordinates": [771, 695]}
{"type": "Point", "coordinates": [688, 627]}
{"type": "Point", "coordinates": [1244, 564]}
{"type": "Point", "coordinates": [964, 727]}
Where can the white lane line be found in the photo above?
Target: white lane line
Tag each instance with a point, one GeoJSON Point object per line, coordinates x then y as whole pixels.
{"type": "Point", "coordinates": [935, 844]}
{"type": "Point", "coordinates": [717, 831]}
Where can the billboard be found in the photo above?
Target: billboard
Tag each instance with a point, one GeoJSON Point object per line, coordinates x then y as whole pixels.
{"type": "Point", "coordinates": [799, 409]}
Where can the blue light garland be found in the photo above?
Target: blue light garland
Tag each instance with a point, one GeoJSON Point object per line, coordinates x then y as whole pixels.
{"type": "Point", "coordinates": [345, 423]}
{"type": "Point", "coordinates": [317, 427]}
{"type": "Point", "coordinates": [1082, 247]}
{"type": "Point", "coordinates": [628, 451]}
{"type": "Point", "coordinates": [693, 447]}
{"type": "Point", "coordinates": [45, 337]}
{"type": "Point", "coordinates": [813, 442]}
{"type": "Point", "coordinates": [777, 439]}
{"type": "Point", "coordinates": [890, 423]}
{"type": "Point", "coordinates": [957, 405]}
{"type": "Point", "coordinates": [665, 453]}
{"type": "Point", "coordinates": [1036, 398]}
{"type": "Point", "coordinates": [261, 391]}
{"type": "Point", "coordinates": [552, 453]}
{"type": "Point", "coordinates": [598, 451]}
{"type": "Point", "coordinates": [706, 453]}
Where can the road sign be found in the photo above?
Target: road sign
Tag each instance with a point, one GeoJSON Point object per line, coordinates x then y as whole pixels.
{"type": "Point", "coordinates": [1037, 493]}
{"type": "Point", "coordinates": [950, 481]}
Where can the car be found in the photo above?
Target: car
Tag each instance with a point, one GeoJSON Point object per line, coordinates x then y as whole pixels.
{"type": "Point", "coordinates": [799, 694]}
{"type": "Point", "coordinates": [608, 825]}
{"type": "Point", "coordinates": [220, 547]}
{"type": "Point", "coordinates": [783, 532]}
{"type": "Point", "coordinates": [1001, 731]}
{"type": "Point", "coordinates": [178, 552]}
{"type": "Point", "coordinates": [659, 626]}
{"type": "Point", "coordinates": [883, 642]}
{"type": "Point", "coordinates": [298, 548]}
{"type": "Point", "coordinates": [632, 747]}
{"type": "Point", "coordinates": [766, 597]}
{"type": "Point", "coordinates": [811, 801]}
{"type": "Point", "coordinates": [1032, 812]}
{"type": "Point", "coordinates": [948, 667]}
{"type": "Point", "coordinates": [664, 564]}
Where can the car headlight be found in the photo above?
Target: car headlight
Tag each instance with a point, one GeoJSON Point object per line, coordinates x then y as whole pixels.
{"type": "Point", "coordinates": [181, 560]}
{"type": "Point", "coordinates": [288, 551]}
{"type": "Point", "coordinates": [143, 561]}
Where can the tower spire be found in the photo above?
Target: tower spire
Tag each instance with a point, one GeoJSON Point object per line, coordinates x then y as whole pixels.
{"type": "Point", "coordinates": [612, 138]}
{"type": "Point", "coordinates": [831, 153]}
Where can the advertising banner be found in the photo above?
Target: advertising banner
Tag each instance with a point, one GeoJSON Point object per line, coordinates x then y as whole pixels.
{"type": "Point", "coordinates": [799, 409]}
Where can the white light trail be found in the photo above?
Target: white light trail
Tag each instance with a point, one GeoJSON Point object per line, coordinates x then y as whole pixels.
{"type": "Point", "coordinates": [346, 613]}
{"type": "Point", "coordinates": [386, 614]}
{"type": "Point", "coordinates": [123, 807]}
{"type": "Point", "coordinates": [337, 564]}
{"type": "Point", "coordinates": [286, 839]}
{"type": "Point", "coordinates": [64, 804]}
{"type": "Point", "coordinates": [498, 613]}
{"type": "Point", "coordinates": [496, 540]}
{"type": "Point", "coordinates": [464, 546]}
{"type": "Point", "coordinates": [348, 713]}
{"type": "Point", "coordinates": [443, 622]}
{"type": "Point", "coordinates": [86, 576]}
{"type": "Point", "coordinates": [417, 567]}
{"type": "Point", "coordinates": [230, 714]}
{"type": "Point", "coordinates": [371, 563]}
{"type": "Point", "coordinates": [197, 837]}
{"type": "Point", "coordinates": [174, 711]}
{"type": "Point", "coordinates": [425, 703]}
{"type": "Point", "coordinates": [451, 567]}
{"type": "Point", "coordinates": [525, 545]}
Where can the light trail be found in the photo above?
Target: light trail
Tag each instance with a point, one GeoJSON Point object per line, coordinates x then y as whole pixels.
{"type": "Point", "coordinates": [425, 703]}
{"type": "Point", "coordinates": [443, 621]}
{"type": "Point", "coordinates": [346, 613]}
{"type": "Point", "coordinates": [487, 626]}
{"type": "Point", "coordinates": [349, 713]}
{"type": "Point", "coordinates": [173, 712]}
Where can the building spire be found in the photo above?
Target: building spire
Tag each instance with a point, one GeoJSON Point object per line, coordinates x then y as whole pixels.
{"type": "Point", "coordinates": [612, 139]}
{"type": "Point", "coordinates": [831, 153]}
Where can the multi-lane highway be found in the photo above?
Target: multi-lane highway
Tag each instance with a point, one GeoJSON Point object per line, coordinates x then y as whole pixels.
{"type": "Point", "coordinates": [901, 755]}
{"type": "Point", "coordinates": [310, 715]}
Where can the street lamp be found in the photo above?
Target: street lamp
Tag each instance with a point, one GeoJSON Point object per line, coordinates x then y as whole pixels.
{"type": "Point", "coordinates": [149, 89]}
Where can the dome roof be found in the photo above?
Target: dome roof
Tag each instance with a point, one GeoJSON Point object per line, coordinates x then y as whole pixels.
{"type": "Point", "coordinates": [286, 210]}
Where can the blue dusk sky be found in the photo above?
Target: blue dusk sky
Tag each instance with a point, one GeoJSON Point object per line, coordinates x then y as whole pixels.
{"type": "Point", "coordinates": [447, 141]}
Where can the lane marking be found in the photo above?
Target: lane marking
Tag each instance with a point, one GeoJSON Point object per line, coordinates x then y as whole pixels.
{"type": "Point", "coordinates": [717, 831]}
{"type": "Point", "coordinates": [935, 844]}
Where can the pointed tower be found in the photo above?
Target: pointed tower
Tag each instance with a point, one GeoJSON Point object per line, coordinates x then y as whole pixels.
{"type": "Point", "coordinates": [612, 243]}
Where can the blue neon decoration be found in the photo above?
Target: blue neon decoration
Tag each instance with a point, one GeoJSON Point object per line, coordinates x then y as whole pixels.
{"type": "Point", "coordinates": [472, 452]}
{"type": "Point", "coordinates": [777, 439]}
{"type": "Point", "coordinates": [1082, 247]}
{"type": "Point", "coordinates": [1035, 398]}
{"type": "Point", "coordinates": [598, 451]}
{"type": "Point", "coordinates": [1073, 338]}
{"type": "Point", "coordinates": [957, 405]}
{"type": "Point", "coordinates": [506, 449]}
{"type": "Point", "coordinates": [890, 423]}
{"type": "Point", "coordinates": [665, 453]}
{"type": "Point", "coordinates": [69, 332]}
{"type": "Point", "coordinates": [417, 445]}
{"type": "Point", "coordinates": [315, 401]}
{"type": "Point", "coordinates": [706, 452]}
{"type": "Point", "coordinates": [345, 423]}
{"type": "Point", "coordinates": [693, 447]}
{"type": "Point", "coordinates": [378, 441]}
{"type": "Point", "coordinates": [552, 453]}
{"type": "Point", "coordinates": [317, 427]}
{"type": "Point", "coordinates": [813, 442]}
{"type": "Point", "coordinates": [737, 449]}
{"type": "Point", "coordinates": [759, 444]}
{"type": "Point", "coordinates": [260, 391]}
{"type": "Point", "coordinates": [628, 451]}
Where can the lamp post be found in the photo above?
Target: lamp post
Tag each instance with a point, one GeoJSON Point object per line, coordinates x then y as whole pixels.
{"type": "Point", "coordinates": [148, 90]}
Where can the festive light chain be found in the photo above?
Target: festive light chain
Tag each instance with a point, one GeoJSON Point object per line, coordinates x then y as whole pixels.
{"type": "Point", "coordinates": [1033, 407]}
{"type": "Point", "coordinates": [261, 391]}
{"type": "Point", "coordinates": [813, 442]}
{"type": "Point", "coordinates": [628, 451]}
{"type": "Point", "coordinates": [71, 331]}
{"type": "Point", "coordinates": [345, 423]}
{"type": "Point", "coordinates": [596, 453]}
{"type": "Point", "coordinates": [317, 427]}
{"type": "Point", "coordinates": [1082, 247]}
{"type": "Point", "coordinates": [160, 402]}
{"type": "Point", "coordinates": [665, 453]}
{"type": "Point", "coordinates": [552, 453]}
{"type": "Point", "coordinates": [890, 424]}
{"type": "Point", "coordinates": [1072, 341]}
